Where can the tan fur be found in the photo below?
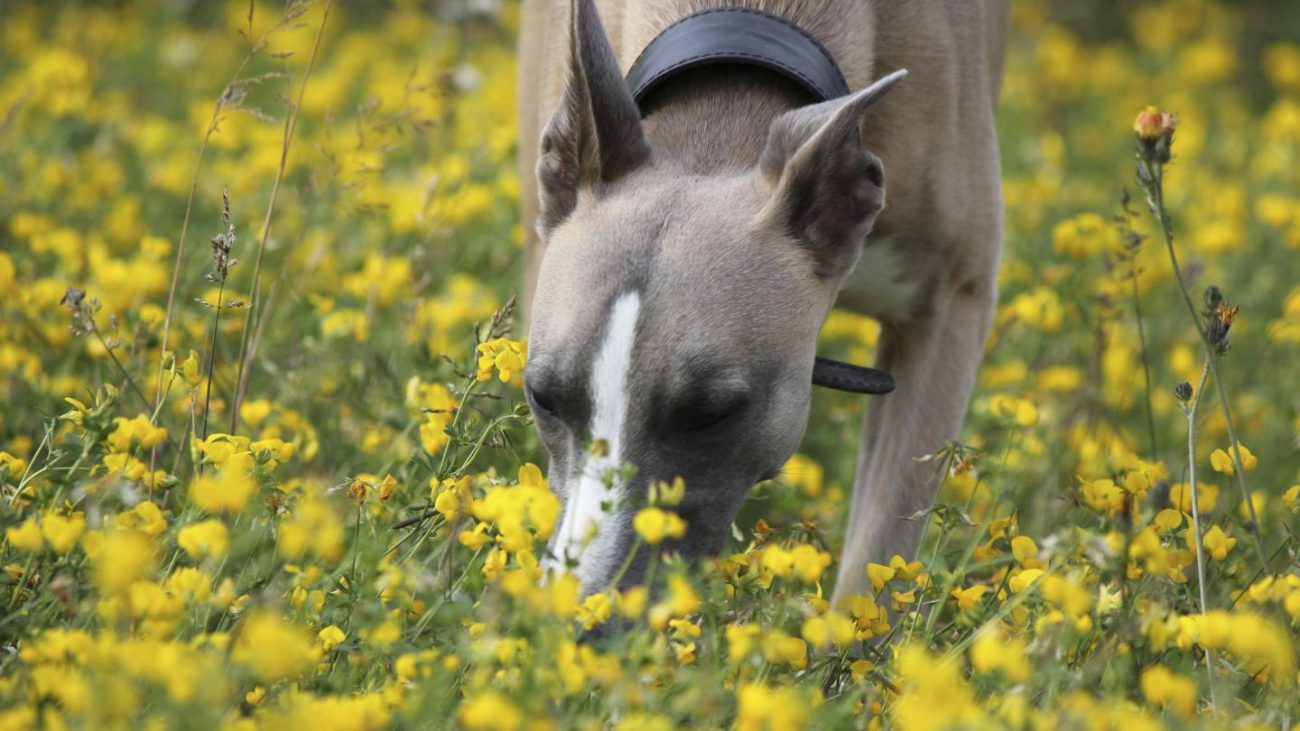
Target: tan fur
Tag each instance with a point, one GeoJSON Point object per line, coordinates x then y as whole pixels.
{"type": "Point", "coordinates": [927, 270]}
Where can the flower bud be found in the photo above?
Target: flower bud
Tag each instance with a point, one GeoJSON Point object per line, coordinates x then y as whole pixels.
{"type": "Point", "coordinates": [1152, 124]}
{"type": "Point", "coordinates": [1183, 392]}
{"type": "Point", "coordinates": [1213, 297]}
{"type": "Point", "coordinates": [1155, 133]}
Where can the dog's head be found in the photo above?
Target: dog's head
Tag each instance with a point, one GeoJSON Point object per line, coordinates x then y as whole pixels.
{"type": "Point", "coordinates": [675, 315]}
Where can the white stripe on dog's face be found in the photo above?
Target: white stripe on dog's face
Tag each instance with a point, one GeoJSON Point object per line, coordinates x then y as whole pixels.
{"type": "Point", "coordinates": [585, 513]}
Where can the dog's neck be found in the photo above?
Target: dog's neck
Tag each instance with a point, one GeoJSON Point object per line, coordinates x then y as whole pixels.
{"type": "Point", "coordinates": [715, 119]}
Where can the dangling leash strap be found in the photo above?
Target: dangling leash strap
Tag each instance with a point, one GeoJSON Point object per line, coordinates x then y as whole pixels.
{"type": "Point", "coordinates": [755, 38]}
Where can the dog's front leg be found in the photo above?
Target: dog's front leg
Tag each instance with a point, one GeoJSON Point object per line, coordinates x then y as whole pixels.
{"type": "Point", "coordinates": [934, 363]}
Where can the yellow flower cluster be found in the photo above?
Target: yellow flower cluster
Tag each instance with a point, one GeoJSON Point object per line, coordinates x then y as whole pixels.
{"type": "Point", "coordinates": [299, 489]}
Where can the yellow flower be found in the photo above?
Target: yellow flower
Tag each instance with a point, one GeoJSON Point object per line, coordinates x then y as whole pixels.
{"type": "Point", "coordinates": [933, 694]}
{"type": "Point", "coordinates": [1222, 461]}
{"type": "Point", "coordinates": [254, 412]}
{"type": "Point", "coordinates": [762, 707]}
{"type": "Point", "coordinates": [145, 517]}
{"type": "Point", "coordinates": [1207, 496]}
{"type": "Point", "coordinates": [272, 649]}
{"type": "Point", "coordinates": [26, 537]}
{"type": "Point", "coordinates": [741, 640]}
{"type": "Point", "coordinates": [682, 598]}
{"type": "Point", "coordinates": [776, 561]}
{"type": "Point", "coordinates": [226, 490]}
{"type": "Point", "coordinates": [62, 532]}
{"type": "Point", "coordinates": [1022, 412]}
{"type": "Point", "coordinates": [489, 710]}
{"type": "Point", "coordinates": [879, 575]}
{"type": "Point", "coordinates": [451, 497]}
{"type": "Point", "coordinates": [1026, 552]}
{"type": "Point", "coordinates": [804, 473]}
{"type": "Point", "coordinates": [192, 370]}
{"type": "Point", "coordinates": [809, 562]}
{"type": "Point", "coordinates": [190, 583]}
{"type": "Point", "coordinates": [438, 407]}
{"type": "Point", "coordinates": [1168, 519]}
{"type": "Point", "coordinates": [654, 525]}
{"type": "Point", "coordinates": [15, 465]}
{"type": "Point", "coordinates": [1103, 496]}
{"type": "Point", "coordinates": [830, 628]}
{"type": "Point", "coordinates": [1258, 501]}
{"type": "Point", "coordinates": [494, 564]}
{"type": "Point", "coordinates": [969, 597]}
{"type": "Point", "coordinates": [507, 356]}
{"type": "Point", "coordinates": [1024, 580]}
{"type": "Point", "coordinates": [1291, 498]}
{"type": "Point", "coordinates": [203, 539]}
{"type": "Point", "coordinates": [993, 651]}
{"type": "Point", "coordinates": [632, 603]}
{"type": "Point", "coordinates": [312, 527]}
{"type": "Point", "coordinates": [134, 432]}
{"type": "Point", "coordinates": [122, 463]}
{"type": "Point", "coordinates": [1218, 543]}
{"type": "Point", "coordinates": [476, 538]}
{"type": "Point", "coordinates": [594, 610]}
{"type": "Point", "coordinates": [667, 494]}
{"type": "Point", "coordinates": [1084, 236]}
{"type": "Point", "coordinates": [120, 558]}
{"type": "Point", "coordinates": [331, 637]}
{"type": "Point", "coordinates": [778, 647]}
{"type": "Point", "coordinates": [1167, 689]}
{"type": "Point", "coordinates": [905, 570]}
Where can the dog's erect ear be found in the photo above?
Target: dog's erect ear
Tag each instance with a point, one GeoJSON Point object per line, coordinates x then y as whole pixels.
{"type": "Point", "coordinates": [828, 189]}
{"type": "Point", "coordinates": [595, 136]}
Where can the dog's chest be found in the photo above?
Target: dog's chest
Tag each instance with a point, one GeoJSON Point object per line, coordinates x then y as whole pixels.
{"type": "Point", "coordinates": [882, 285]}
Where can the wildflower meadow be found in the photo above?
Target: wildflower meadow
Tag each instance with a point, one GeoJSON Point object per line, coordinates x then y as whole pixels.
{"type": "Point", "coordinates": [265, 461]}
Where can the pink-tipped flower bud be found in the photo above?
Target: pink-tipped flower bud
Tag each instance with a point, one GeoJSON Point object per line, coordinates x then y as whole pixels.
{"type": "Point", "coordinates": [1155, 133]}
{"type": "Point", "coordinates": [1152, 124]}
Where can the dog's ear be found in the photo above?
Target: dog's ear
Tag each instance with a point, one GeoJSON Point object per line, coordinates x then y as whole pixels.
{"type": "Point", "coordinates": [595, 135]}
{"type": "Point", "coordinates": [827, 189]}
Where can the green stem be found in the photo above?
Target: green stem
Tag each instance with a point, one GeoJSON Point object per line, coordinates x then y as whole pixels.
{"type": "Point", "coordinates": [1146, 363]}
{"type": "Point", "coordinates": [1190, 412]}
{"type": "Point", "coordinates": [212, 356]}
{"type": "Point", "coordinates": [1152, 180]}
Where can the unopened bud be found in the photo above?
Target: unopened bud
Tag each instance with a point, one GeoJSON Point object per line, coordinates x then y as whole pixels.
{"type": "Point", "coordinates": [1183, 392]}
{"type": "Point", "coordinates": [1155, 133]}
{"type": "Point", "coordinates": [1213, 297]}
{"type": "Point", "coordinates": [1152, 124]}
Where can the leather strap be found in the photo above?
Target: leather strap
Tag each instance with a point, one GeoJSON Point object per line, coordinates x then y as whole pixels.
{"type": "Point", "coordinates": [738, 35]}
{"type": "Point", "coordinates": [853, 378]}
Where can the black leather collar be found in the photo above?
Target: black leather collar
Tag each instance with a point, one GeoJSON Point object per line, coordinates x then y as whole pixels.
{"type": "Point", "coordinates": [743, 36]}
{"type": "Point", "coordinates": [755, 38]}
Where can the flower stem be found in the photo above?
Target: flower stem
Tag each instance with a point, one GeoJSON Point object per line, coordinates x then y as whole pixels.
{"type": "Point", "coordinates": [1146, 365]}
{"type": "Point", "coordinates": [1151, 178]}
{"type": "Point", "coordinates": [1190, 412]}
{"type": "Point", "coordinates": [212, 357]}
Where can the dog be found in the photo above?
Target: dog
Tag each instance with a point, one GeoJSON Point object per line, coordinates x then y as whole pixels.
{"type": "Point", "coordinates": [688, 245]}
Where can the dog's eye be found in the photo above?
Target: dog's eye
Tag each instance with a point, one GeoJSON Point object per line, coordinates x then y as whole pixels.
{"type": "Point", "coordinates": [711, 415]}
